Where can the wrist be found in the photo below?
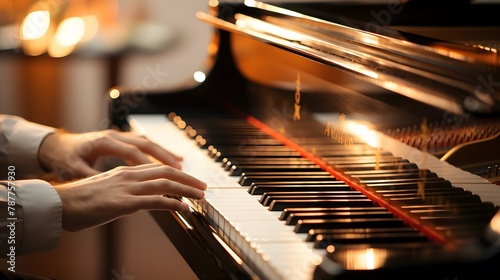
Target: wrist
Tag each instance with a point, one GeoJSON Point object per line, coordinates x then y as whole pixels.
{"type": "Point", "coordinates": [44, 152]}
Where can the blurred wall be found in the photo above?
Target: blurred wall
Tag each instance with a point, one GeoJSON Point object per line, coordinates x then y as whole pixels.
{"type": "Point", "coordinates": [70, 93]}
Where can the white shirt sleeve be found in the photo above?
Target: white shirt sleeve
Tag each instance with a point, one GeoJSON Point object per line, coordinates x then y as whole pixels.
{"type": "Point", "coordinates": [33, 221]}
{"type": "Point", "coordinates": [35, 211]}
{"type": "Point", "coordinates": [19, 144]}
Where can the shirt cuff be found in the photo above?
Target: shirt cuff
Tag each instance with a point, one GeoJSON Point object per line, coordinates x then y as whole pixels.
{"type": "Point", "coordinates": [42, 216]}
{"type": "Point", "coordinates": [24, 143]}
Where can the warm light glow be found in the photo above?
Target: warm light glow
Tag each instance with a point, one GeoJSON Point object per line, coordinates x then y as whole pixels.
{"type": "Point", "coordinates": [249, 3]}
{"type": "Point", "coordinates": [370, 259]}
{"type": "Point", "coordinates": [365, 259]}
{"type": "Point", "coordinates": [68, 34]}
{"type": "Point", "coordinates": [361, 69]}
{"type": "Point", "coordinates": [213, 3]}
{"type": "Point", "coordinates": [330, 248]}
{"type": "Point", "coordinates": [70, 31]}
{"type": "Point", "coordinates": [199, 76]}
{"type": "Point", "coordinates": [181, 124]}
{"type": "Point", "coordinates": [114, 93]}
{"type": "Point", "coordinates": [35, 25]}
{"type": "Point", "coordinates": [363, 132]}
{"type": "Point", "coordinates": [370, 39]}
{"type": "Point", "coordinates": [495, 224]}
{"type": "Point", "coordinates": [91, 27]}
{"type": "Point", "coordinates": [264, 27]}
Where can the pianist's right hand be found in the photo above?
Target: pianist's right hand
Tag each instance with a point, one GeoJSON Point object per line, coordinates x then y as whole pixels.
{"type": "Point", "coordinates": [124, 190]}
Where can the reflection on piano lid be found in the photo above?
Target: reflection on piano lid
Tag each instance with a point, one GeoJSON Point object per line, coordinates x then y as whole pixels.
{"type": "Point", "coordinates": [447, 75]}
{"type": "Point", "coordinates": [319, 130]}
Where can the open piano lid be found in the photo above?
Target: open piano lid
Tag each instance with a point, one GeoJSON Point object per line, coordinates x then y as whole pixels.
{"type": "Point", "coordinates": [456, 77]}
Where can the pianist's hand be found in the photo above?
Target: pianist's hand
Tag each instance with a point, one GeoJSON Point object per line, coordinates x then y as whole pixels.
{"type": "Point", "coordinates": [74, 155]}
{"type": "Point", "coordinates": [124, 190]}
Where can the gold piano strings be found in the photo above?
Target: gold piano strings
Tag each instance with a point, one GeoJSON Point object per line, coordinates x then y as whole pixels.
{"type": "Point", "coordinates": [338, 133]}
{"type": "Point", "coordinates": [296, 114]}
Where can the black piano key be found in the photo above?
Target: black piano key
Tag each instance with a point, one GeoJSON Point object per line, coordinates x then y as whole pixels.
{"type": "Point", "coordinates": [246, 180]}
{"type": "Point", "coordinates": [460, 209]}
{"type": "Point", "coordinates": [461, 232]}
{"type": "Point", "coordinates": [480, 220]}
{"type": "Point", "coordinates": [416, 192]}
{"type": "Point", "coordinates": [322, 142]}
{"type": "Point", "coordinates": [266, 199]}
{"type": "Point", "coordinates": [467, 205]}
{"type": "Point", "coordinates": [240, 141]}
{"type": "Point", "coordinates": [331, 154]}
{"type": "Point", "coordinates": [330, 151]}
{"type": "Point", "coordinates": [372, 166]}
{"type": "Point", "coordinates": [296, 217]}
{"type": "Point", "coordinates": [323, 241]}
{"type": "Point", "coordinates": [219, 157]}
{"type": "Point", "coordinates": [238, 170]}
{"type": "Point", "coordinates": [451, 200]}
{"type": "Point", "coordinates": [397, 181]}
{"type": "Point", "coordinates": [363, 159]}
{"type": "Point", "coordinates": [304, 226]}
{"type": "Point", "coordinates": [410, 185]}
{"type": "Point", "coordinates": [280, 205]}
{"type": "Point", "coordinates": [289, 211]}
{"type": "Point", "coordinates": [235, 150]}
{"type": "Point", "coordinates": [259, 189]}
{"type": "Point", "coordinates": [267, 161]}
{"type": "Point", "coordinates": [373, 174]}
{"type": "Point", "coordinates": [229, 163]}
{"type": "Point", "coordinates": [397, 177]}
{"type": "Point", "coordinates": [313, 233]}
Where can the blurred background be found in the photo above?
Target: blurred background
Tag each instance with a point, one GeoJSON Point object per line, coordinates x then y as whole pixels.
{"type": "Point", "coordinates": [58, 60]}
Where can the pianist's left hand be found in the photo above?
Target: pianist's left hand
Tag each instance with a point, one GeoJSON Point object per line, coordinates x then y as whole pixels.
{"type": "Point", "coordinates": [74, 155]}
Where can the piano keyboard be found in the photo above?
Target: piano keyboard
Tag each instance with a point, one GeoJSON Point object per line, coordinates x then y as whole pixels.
{"type": "Point", "coordinates": [281, 211]}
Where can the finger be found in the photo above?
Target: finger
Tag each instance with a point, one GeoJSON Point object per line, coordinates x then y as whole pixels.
{"type": "Point", "coordinates": [148, 147]}
{"type": "Point", "coordinates": [108, 146]}
{"type": "Point", "coordinates": [165, 186]}
{"type": "Point", "coordinates": [159, 203]}
{"type": "Point", "coordinates": [167, 172]}
{"type": "Point", "coordinates": [142, 141]}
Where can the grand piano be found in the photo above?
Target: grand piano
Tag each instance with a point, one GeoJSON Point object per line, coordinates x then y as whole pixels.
{"type": "Point", "coordinates": [338, 141]}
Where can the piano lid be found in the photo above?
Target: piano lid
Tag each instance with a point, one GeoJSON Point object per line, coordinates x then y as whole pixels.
{"type": "Point", "coordinates": [456, 77]}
